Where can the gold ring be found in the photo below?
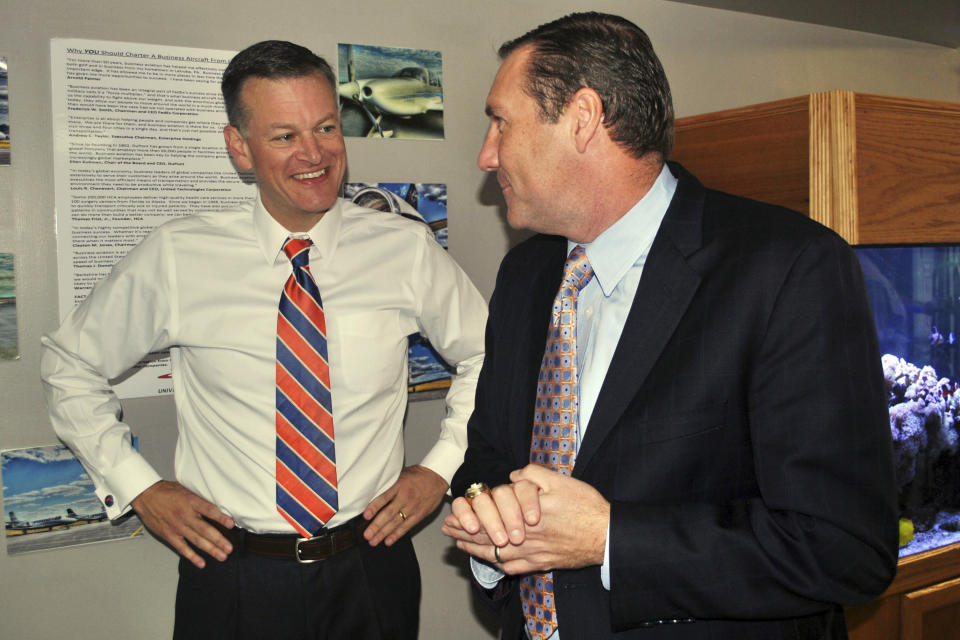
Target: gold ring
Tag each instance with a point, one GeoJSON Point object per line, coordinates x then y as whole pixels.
{"type": "Point", "coordinates": [496, 553]}
{"type": "Point", "coordinates": [474, 490]}
{"type": "Point", "coordinates": [403, 516]}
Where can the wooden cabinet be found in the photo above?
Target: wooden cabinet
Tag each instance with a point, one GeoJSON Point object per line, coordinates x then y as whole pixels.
{"type": "Point", "coordinates": [878, 170]}
{"type": "Point", "coordinates": [923, 603]}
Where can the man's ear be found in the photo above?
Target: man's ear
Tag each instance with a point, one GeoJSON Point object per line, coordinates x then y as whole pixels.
{"type": "Point", "coordinates": [237, 146]}
{"type": "Point", "coordinates": [587, 111]}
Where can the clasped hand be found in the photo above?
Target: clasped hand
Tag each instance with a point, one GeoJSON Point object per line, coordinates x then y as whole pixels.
{"type": "Point", "coordinates": [543, 520]}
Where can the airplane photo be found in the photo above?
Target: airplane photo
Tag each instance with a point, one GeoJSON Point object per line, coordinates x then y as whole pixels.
{"type": "Point", "coordinates": [426, 203]}
{"type": "Point", "coordinates": [56, 502]}
{"type": "Point", "coordinates": [390, 92]}
{"type": "Point", "coordinates": [9, 349]}
{"type": "Point", "coordinates": [42, 524]}
{"type": "Point", "coordinates": [423, 202]}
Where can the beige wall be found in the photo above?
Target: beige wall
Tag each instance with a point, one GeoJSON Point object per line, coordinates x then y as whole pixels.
{"type": "Point", "coordinates": [714, 60]}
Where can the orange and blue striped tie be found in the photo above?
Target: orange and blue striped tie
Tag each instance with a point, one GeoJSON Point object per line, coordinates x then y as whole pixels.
{"type": "Point", "coordinates": [555, 432]}
{"type": "Point", "coordinates": [306, 460]}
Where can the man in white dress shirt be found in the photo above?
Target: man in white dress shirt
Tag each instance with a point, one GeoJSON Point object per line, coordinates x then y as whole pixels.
{"type": "Point", "coordinates": [207, 287]}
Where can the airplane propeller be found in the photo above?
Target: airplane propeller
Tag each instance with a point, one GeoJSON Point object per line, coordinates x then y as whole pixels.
{"type": "Point", "coordinates": [351, 90]}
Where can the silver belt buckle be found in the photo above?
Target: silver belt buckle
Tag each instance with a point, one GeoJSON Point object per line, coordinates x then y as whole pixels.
{"type": "Point", "coordinates": [296, 551]}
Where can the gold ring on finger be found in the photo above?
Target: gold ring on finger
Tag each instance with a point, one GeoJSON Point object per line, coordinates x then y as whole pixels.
{"type": "Point", "coordinates": [403, 516]}
{"type": "Point", "coordinates": [496, 553]}
{"type": "Point", "coordinates": [474, 490]}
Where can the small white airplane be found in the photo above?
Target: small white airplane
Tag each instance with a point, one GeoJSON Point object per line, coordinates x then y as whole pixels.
{"type": "Point", "coordinates": [42, 523]}
{"type": "Point", "coordinates": [408, 92]}
{"type": "Point", "coordinates": [99, 516]}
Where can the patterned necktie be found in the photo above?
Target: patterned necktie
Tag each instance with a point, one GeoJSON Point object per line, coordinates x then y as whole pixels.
{"type": "Point", "coordinates": [555, 431]}
{"type": "Point", "coordinates": [306, 462]}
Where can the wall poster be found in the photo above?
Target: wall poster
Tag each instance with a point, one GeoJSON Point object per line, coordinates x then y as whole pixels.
{"type": "Point", "coordinates": [138, 140]}
{"type": "Point", "coordinates": [8, 309]}
{"type": "Point", "coordinates": [50, 502]}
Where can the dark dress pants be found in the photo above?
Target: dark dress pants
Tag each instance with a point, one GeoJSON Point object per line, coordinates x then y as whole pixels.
{"type": "Point", "coordinates": [364, 593]}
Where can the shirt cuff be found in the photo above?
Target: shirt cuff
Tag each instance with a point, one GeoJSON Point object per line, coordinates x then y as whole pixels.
{"type": "Point", "coordinates": [444, 459]}
{"type": "Point", "coordinates": [487, 576]}
{"type": "Point", "coordinates": [605, 567]}
{"type": "Point", "coordinates": [128, 479]}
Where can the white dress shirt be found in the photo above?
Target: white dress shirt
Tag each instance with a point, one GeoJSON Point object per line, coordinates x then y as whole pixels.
{"type": "Point", "coordinates": [207, 287]}
{"type": "Point", "coordinates": [617, 256]}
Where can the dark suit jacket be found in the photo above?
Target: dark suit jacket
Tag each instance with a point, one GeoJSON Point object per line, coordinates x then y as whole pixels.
{"type": "Point", "coordinates": [741, 434]}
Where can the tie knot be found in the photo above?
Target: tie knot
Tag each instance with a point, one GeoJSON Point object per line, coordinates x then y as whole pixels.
{"type": "Point", "coordinates": [298, 251]}
{"type": "Point", "coordinates": [577, 270]}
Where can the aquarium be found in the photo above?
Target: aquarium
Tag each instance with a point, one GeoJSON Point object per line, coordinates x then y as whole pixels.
{"type": "Point", "coordinates": [915, 296]}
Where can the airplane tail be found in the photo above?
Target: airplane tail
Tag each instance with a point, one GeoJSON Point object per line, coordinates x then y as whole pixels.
{"type": "Point", "coordinates": [412, 198]}
{"type": "Point", "coordinates": [71, 512]}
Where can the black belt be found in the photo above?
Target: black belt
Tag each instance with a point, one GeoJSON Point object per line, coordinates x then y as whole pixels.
{"type": "Point", "coordinates": [325, 544]}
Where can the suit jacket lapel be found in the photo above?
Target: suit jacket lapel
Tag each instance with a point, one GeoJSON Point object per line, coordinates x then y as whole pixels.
{"type": "Point", "coordinates": [666, 287]}
{"type": "Point", "coordinates": [548, 272]}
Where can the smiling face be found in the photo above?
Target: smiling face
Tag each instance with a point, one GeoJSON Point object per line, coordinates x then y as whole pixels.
{"type": "Point", "coordinates": [531, 157]}
{"type": "Point", "coordinates": [293, 143]}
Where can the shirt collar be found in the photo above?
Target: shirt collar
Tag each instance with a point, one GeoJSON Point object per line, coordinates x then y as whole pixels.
{"type": "Point", "coordinates": [271, 234]}
{"type": "Point", "coordinates": [627, 241]}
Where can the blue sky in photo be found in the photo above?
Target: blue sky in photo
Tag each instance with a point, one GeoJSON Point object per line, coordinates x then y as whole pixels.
{"type": "Point", "coordinates": [43, 482]}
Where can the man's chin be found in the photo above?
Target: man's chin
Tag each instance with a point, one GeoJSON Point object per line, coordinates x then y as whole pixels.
{"type": "Point", "coordinates": [520, 220]}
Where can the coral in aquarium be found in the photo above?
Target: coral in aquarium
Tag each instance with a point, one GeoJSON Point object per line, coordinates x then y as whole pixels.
{"type": "Point", "coordinates": [923, 422]}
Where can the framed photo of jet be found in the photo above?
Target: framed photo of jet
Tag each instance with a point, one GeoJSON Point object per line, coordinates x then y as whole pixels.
{"type": "Point", "coordinates": [425, 203]}
{"type": "Point", "coordinates": [50, 502]}
{"type": "Point", "coordinates": [8, 309]}
{"type": "Point", "coordinates": [390, 92]}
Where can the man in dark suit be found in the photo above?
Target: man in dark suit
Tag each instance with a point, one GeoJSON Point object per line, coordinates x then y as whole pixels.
{"type": "Point", "coordinates": [731, 459]}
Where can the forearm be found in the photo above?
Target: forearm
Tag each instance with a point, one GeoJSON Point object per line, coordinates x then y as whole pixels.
{"type": "Point", "coordinates": [734, 561]}
{"type": "Point", "coordinates": [447, 453]}
{"type": "Point", "coordinates": [452, 315]}
{"type": "Point", "coordinates": [85, 414]}
{"type": "Point", "coordinates": [121, 320]}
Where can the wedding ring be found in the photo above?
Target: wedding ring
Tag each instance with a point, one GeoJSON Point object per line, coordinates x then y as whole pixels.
{"type": "Point", "coordinates": [403, 516]}
{"type": "Point", "coordinates": [474, 490]}
{"type": "Point", "coordinates": [496, 553]}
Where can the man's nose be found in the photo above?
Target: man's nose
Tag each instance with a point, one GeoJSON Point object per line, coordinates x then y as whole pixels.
{"type": "Point", "coordinates": [311, 149]}
{"type": "Point", "coordinates": [488, 159]}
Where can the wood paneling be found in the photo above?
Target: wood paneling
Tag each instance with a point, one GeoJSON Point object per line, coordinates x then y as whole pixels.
{"type": "Point", "coordinates": [759, 152]}
{"type": "Point", "coordinates": [878, 170]}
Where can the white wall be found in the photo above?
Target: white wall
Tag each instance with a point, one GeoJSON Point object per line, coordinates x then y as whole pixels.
{"type": "Point", "coordinates": [714, 59]}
